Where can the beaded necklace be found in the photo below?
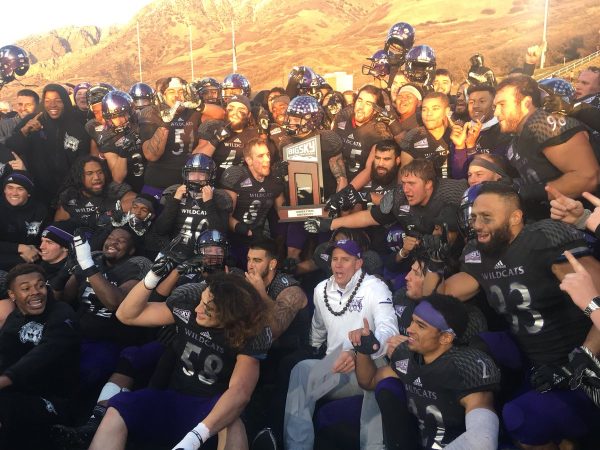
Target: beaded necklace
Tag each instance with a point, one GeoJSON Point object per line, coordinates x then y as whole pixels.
{"type": "Point", "coordinates": [345, 308]}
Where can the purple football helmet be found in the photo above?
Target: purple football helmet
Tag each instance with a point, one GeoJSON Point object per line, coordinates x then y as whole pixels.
{"type": "Point", "coordinates": [304, 114]}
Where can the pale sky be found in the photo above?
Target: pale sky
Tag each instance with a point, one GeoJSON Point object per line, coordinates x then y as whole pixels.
{"type": "Point", "coordinates": [23, 19]}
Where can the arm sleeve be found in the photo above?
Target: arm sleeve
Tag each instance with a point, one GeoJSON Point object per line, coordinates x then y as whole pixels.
{"type": "Point", "coordinates": [16, 141]}
{"type": "Point", "coordinates": [481, 433]}
{"type": "Point", "coordinates": [60, 336]}
{"type": "Point", "coordinates": [318, 332]}
{"type": "Point", "coordinates": [384, 318]}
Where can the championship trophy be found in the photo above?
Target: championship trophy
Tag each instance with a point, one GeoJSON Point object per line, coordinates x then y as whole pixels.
{"type": "Point", "coordinates": [305, 179]}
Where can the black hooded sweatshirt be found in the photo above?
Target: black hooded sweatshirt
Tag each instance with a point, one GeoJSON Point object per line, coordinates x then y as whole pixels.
{"type": "Point", "coordinates": [50, 152]}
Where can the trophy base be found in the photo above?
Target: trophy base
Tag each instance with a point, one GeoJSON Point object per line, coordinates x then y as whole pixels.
{"type": "Point", "coordinates": [301, 213]}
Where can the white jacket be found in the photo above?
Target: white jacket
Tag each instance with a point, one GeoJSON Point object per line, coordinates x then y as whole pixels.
{"type": "Point", "coordinates": [373, 300]}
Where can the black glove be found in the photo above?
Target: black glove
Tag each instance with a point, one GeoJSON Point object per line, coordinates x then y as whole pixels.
{"type": "Point", "coordinates": [547, 377]}
{"type": "Point", "coordinates": [117, 216]}
{"type": "Point", "coordinates": [289, 265]}
{"type": "Point", "coordinates": [318, 225]}
{"type": "Point", "coordinates": [241, 228]}
{"type": "Point", "coordinates": [58, 282]}
{"type": "Point", "coordinates": [262, 120]}
{"type": "Point", "coordinates": [191, 266]}
{"type": "Point", "coordinates": [221, 133]}
{"type": "Point", "coordinates": [585, 367]}
{"type": "Point", "coordinates": [368, 344]}
{"type": "Point", "coordinates": [343, 200]}
{"type": "Point", "coordinates": [279, 170]}
{"type": "Point", "coordinates": [163, 266]}
{"type": "Point", "coordinates": [437, 251]}
{"type": "Point", "coordinates": [383, 115]}
{"type": "Point", "coordinates": [530, 192]}
{"type": "Point", "coordinates": [335, 204]}
{"type": "Point", "coordinates": [296, 74]}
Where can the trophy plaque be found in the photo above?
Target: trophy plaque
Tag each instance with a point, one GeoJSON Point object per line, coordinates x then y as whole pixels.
{"type": "Point", "coordinates": [305, 179]}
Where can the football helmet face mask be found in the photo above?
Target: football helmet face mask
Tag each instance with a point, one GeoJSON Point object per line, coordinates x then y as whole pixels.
{"type": "Point", "coordinates": [380, 65]}
{"type": "Point", "coordinates": [142, 95]}
{"type": "Point", "coordinates": [213, 247]}
{"type": "Point", "coordinates": [400, 39]}
{"type": "Point", "coordinates": [198, 163]}
{"type": "Point", "coordinates": [334, 104]}
{"type": "Point", "coordinates": [309, 83]}
{"type": "Point", "coordinates": [117, 104]}
{"type": "Point", "coordinates": [235, 84]}
{"type": "Point", "coordinates": [304, 114]}
{"type": "Point", "coordinates": [13, 61]}
{"type": "Point", "coordinates": [420, 64]}
{"type": "Point", "coordinates": [465, 209]}
{"type": "Point", "coordinates": [209, 90]}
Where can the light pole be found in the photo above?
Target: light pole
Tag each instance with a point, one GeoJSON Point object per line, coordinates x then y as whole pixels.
{"type": "Point", "coordinates": [543, 56]}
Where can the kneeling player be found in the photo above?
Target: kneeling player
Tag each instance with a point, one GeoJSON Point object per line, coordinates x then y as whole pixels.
{"type": "Point", "coordinates": [220, 338]}
{"type": "Point", "coordinates": [448, 388]}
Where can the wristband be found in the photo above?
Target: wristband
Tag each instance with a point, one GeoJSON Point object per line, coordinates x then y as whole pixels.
{"type": "Point", "coordinates": [202, 432]}
{"type": "Point", "coordinates": [151, 280]}
{"type": "Point", "coordinates": [90, 271]}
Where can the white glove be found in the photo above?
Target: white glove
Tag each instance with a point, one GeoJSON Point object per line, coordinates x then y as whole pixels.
{"type": "Point", "coordinates": [83, 252]}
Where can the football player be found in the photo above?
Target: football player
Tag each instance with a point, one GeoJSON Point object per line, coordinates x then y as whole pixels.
{"type": "Point", "coordinates": [169, 132]}
{"type": "Point", "coordinates": [520, 267]}
{"type": "Point", "coordinates": [119, 141]}
{"type": "Point", "coordinates": [448, 388]}
{"type": "Point", "coordinates": [221, 337]}
{"type": "Point", "coordinates": [195, 206]}
{"type": "Point", "coordinates": [547, 148]}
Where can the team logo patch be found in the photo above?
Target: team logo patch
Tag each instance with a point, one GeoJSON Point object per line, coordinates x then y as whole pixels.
{"type": "Point", "coordinates": [399, 310]}
{"type": "Point", "coordinates": [404, 208]}
{"type": "Point", "coordinates": [356, 304]}
{"type": "Point", "coordinates": [33, 228]}
{"type": "Point", "coordinates": [246, 183]}
{"type": "Point", "coordinates": [285, 281]}
{"type": "Point", "coordinates": [206, 334]}
{"type": "Point", "coordinates": [183, 314]}
{"type": "Point", "coordinates": [49, 406]}
{"type": "Point", "coordinates": [324, 256]}
{"type": "Point", "coordinates": [421, 144]}
{"type": "Point", "coordinates": [442, 151]}
{"type": "Point", "coordinates": [71, 143]}
{"type": "Point", "coordinates": [342, 125]}
{"type": "Point", "coordinates": [275, 131]}
{"type": "Point", "coordinates": [417, 382]}
{"type": "Point", "coordinates": [402, 366]}
{"type": "Point", "coordinates": [499, 265]}
{"type": "Point", "coordinates": [473, 258]}
{"type": "Point", "coordinates": [31, 332]}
